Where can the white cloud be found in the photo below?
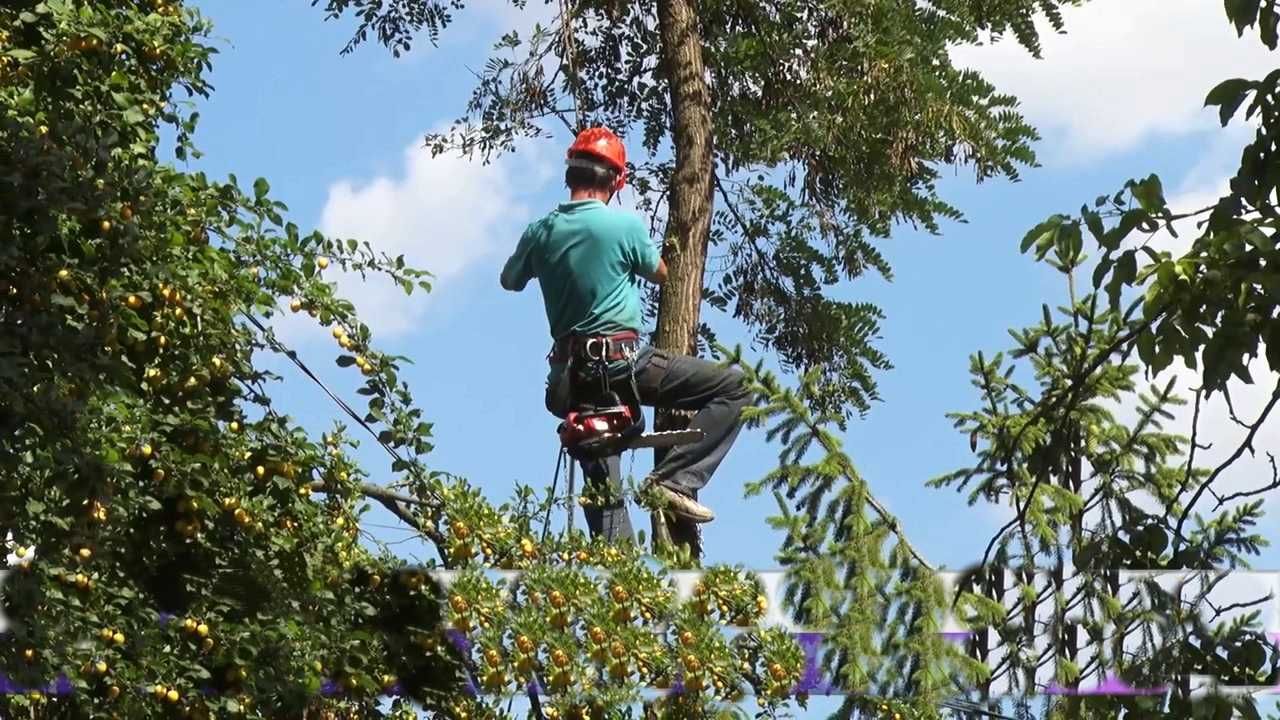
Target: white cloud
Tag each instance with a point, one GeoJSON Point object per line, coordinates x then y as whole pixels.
{"type": "Point", "coordinates": [444, 214]}
{"type": "Point", "coordinates": [1125, 70]}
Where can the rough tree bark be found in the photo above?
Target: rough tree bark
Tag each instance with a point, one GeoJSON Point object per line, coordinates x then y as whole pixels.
{"type": "Point", "coordinates": [689, 209]}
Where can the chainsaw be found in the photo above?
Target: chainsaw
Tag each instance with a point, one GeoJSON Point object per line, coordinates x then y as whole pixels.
{"type": "Point", "coordinates": [611, 430]}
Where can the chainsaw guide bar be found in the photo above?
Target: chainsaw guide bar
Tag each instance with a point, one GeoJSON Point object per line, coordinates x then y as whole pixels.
{"type": "Point", "coordinates": [665, 439]}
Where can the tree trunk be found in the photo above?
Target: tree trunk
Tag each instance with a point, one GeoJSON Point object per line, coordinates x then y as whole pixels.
{"type": "Point", "coordinates": [688, 215]}
{"type": "Point", "coordinates": [689, 197]}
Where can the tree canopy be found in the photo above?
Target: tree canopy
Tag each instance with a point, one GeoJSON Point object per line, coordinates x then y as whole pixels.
{"type": "Point", "coordinates": [186, 549]}
{"type": "Point", "coordinates": [830, 124]}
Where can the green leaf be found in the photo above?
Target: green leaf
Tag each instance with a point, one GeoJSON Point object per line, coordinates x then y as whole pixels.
{"type": "Point", "coordinates": [260, 188]}
{"type": "Point", "coordinates": [1100, 272]}
{"type": "Point", "coordinates": [1094, 222]}
{"type": "Point", "coordinates": [1242, 13]}
{"type": "Point", "coordinates": [1228, 95]}
{"type": "Point", "coordinates": [1128, 221]}
{"type": "Point", "coordinates": [1042, 235]}
{"type": "Point", "coordinates": [1150, 194]}
{"type": "Point", "coordinates": [1127, 267]}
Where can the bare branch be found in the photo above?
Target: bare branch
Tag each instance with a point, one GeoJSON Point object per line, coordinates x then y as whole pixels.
{"type": "Point", "coordinates": [1275, 483]}
{"type": "Point", "coordinates": [1247, 444]}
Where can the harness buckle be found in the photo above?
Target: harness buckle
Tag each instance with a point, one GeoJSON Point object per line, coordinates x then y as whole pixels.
{"type": "Point", "coordinates": [604, 349]}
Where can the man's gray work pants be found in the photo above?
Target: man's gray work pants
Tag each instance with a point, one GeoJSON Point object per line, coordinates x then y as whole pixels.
{"type": "Point", "coordinates": [666, 380]}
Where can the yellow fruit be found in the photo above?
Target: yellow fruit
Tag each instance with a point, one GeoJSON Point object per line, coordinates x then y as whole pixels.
{"type": "Point", "coordinates": [559, 658]}
{"type": "Point", "coordinates": [113, 692]}
{"type": "Point", "coordinates": [686, 638]}
{"type": "Point", "coordinates": [207, 645]}
{"type": "Point", "coordinates": [338, 332]}
{"type": "Point", "coordinates": [100, 667]}
{"type": "Point", "coordinates": [145, 450]}
{"type": "Point", "coordinates": [322, 262]}
{"type": "Point", "coordinates": [42, 130]}
{"type": "Point", "coordinates": [202, 630]}
{"type": "Point", "coordinates": [233, 426]}
{"type": "Point", "coordinates": [118, 638]}
{"type": "Point", "coordinates": [171, 696]}
{"type": "Point", "coordinates": [105, 225]}
{"type": "Point", "coordinates": [557, 599]}
{"type": "Point", "coordinates": [158, 690]}
{"type": "Point", "coordinates": [63, 274]}
{"type": "Point", "coordinates": [28, 654]}
{"type": "Point", "coordinates": [295, 305]}
{"type": "Point", "coordinates": [157, 475]}
{"type": "Point", "coordinates": [85, 553]}
{"type": "Point", "coordinates": [21, 552]}
{"type": "Point", "coordinates": [133, 302]}
{"type": "Point", "coordinates": [777, 671]}
{"type": "Point", "coordinates": [260, 471]}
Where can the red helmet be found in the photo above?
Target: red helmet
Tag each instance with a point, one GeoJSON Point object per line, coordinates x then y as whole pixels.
{"type": "Point", "coordinates": [601, 144]}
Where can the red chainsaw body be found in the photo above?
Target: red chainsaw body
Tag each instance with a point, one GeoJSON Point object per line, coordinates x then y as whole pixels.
{"type": "Point", "coordinates": [599, 432]}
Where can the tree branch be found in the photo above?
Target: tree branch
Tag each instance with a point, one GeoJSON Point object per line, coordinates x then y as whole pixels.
{"type": "Point", "coordinates": [1247, 444]}
{"type": "Point", "coordinates": [1275, 483]}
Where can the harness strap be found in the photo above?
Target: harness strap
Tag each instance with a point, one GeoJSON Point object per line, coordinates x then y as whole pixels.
{"type": "Point", "coordinates": [595, 347]}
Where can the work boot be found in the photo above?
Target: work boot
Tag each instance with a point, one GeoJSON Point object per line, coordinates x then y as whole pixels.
{"type": "Point", "coordinates": [676, 502]}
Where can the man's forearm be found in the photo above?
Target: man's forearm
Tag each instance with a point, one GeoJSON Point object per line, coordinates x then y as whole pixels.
{"type": "Point", "coordinates": [659, 275]}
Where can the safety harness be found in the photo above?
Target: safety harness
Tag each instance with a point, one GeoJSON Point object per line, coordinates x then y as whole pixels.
{"type": "Point", "coordinates": [592, 431]}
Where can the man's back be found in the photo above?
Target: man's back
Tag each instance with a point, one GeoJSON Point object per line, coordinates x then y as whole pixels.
{"type": "Point", "coordinates": [585, 256]}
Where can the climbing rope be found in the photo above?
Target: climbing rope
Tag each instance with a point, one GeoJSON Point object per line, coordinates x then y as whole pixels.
{"type": "Point", "coordinates": [551, 498]}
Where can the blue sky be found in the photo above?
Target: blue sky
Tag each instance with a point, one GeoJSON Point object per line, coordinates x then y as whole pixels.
{"type": "Point", "coordinates": [337, 137]}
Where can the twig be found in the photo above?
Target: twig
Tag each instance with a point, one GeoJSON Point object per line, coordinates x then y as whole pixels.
{"type": "Point", "coordinates": [1275, 483]}
{"type": "Point", "coordinates": [1219, 612]}
{"type": "Point", "coordinates": [1248, 443]}
{"type": "Point", "coordinates": [391, 501]}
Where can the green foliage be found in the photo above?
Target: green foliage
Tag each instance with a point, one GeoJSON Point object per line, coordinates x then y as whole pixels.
{"type": "Point", "coordinates": [177, 533]}
{"type": "Point", "coordinates": [849, 566]}
{"type": "Point", "coordinates": [1095, 492]}
{"type": "Point", "coordinates": [177, 542]}
{"type": "Point", "coordinates": [832, 122]}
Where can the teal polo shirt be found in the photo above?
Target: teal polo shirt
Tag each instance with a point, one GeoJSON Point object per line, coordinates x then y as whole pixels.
{"type": "Point", "coordinates": [586, 257]}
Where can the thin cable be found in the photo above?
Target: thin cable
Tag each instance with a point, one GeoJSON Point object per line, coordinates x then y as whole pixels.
{"type": "Point", "coordinates": [570, 501]}
{"type": "Point", "coordinates": [280, 348]}
{"type": "Point", "coordinates": [551, 498]}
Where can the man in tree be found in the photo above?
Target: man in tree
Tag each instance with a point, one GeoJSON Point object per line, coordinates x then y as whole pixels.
{"type": "Point", "coordinates": [586, 257]}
